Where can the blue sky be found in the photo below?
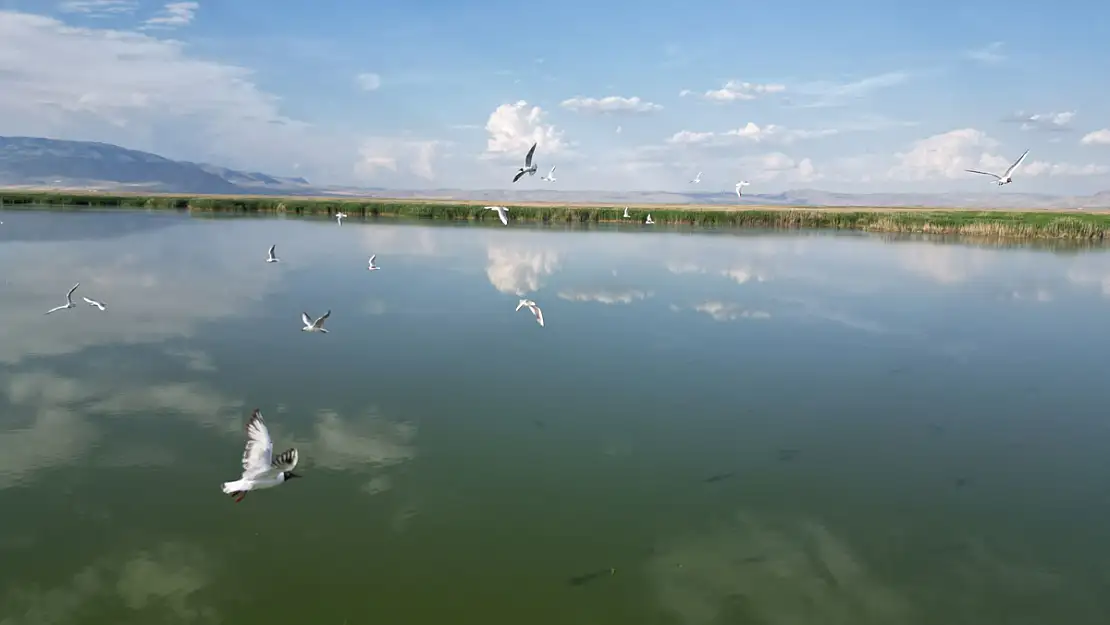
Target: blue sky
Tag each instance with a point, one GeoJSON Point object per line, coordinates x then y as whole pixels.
{"type": "Point", "coordinates": [849, 96]}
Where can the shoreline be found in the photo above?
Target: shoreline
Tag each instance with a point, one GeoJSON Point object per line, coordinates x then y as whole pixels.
{"type": "Point", "coordinates": [990, 223]}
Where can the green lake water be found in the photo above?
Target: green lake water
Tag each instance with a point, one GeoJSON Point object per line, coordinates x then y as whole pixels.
{"type": "Point", "coordinates": [714, 427]}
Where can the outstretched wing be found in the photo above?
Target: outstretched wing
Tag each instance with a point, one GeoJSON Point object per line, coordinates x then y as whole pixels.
{"type": "Point", "coordinates": [271, 252]}
{"type": "Point", "coordinates": [518, 175]}
{"type": "Point", "coordinates": [528, 159]}
{"type": "Point", "coordinates": [69, 296]}
{"type": "Point", "coordinates": [372, 257]}
{"type": "Point", "coordinates": [304, 319]}
{"type": "Point", "coordinates": [285, 461]}
{"type": "Point", "coordinates": [503, 215]}
{"type": "Point", "coordinates": [1016, 163]}
{"type": "Point", "coordinates": [256, 455]}
{"type": "Point", "coordinates": [985, 173]}
{"type": "Point", "coordinates": [319, 322]}
{"type": "Point", "coordinates": [552, 172]}
{"type": "Point", "coordinates": [538, 313]}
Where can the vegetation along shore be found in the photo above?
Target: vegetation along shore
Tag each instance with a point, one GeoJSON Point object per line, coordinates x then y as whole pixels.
{"type": "Point", "coordinates": [1055, 224]}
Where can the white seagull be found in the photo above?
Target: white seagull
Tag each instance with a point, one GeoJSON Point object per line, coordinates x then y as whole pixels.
{"type": "Point", "coordinates": [550, 177]}
{"type": "Point", "coordinates": [372, 266]}
{"type": "Point", "coordinates": [314, 326]}
{"type": "Point", "coordinates": [69, 301]}
{"type": "Point", "coordinates": [648, 221]}
{"type": "Point", "coordinates": [535, 310]}
{"type": "Point", "coordinates": [339, 217]}
{"type": "Point", "coordinates": [259, 470]}
{"type": "Point", "coordinates": [92, 302]}
{"type": "Point", "coordinates": [1006, 177]}
{"type": "Point", "coordinates": [502, 213]}
{"type": "Point", "coordinates": [741, 185]}
{"type": "Point", "coordinates": [270, 258]}
{"type": "Point", "coordinates": [697, 178]}
{"type": "Point", "coordinates": [626, 215]}
{"type": "Point", "coordinates": [529, 167]}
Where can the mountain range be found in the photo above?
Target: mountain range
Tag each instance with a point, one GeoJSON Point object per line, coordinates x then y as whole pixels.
{"type": "Point", "coordinates": [32, 162]}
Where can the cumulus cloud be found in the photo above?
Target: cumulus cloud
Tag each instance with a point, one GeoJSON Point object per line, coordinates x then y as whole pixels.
{"type": "Point", "coordinates": [723, 311]}
{"type": "Point", "coordinates": [750, 132]}
{"type": "Point", "coordinates": [949, 154]}
{"type": "Point", "coordinates": [415, 156]}
{"type": "Point", "coordinates": [370, 441]}
{"type": "Point", "coordinates": [610, 104]}
{"type": "Point", "coordinates": [519, 271]}
{"type": "Point", "coordinates": [173, 15]}
{"type": "Point", "coordinates": [513, 128]}
{"type": "Point", "coordinates": [605, 297]}
{"type": "Point", "coordinates": [368, 81]}
{"type": "Point", "coordinates": [735, 90]}
{"type": "Point", "coordinates": [1098, 137]}
{"type": "Point", "coordinates": [1050, 122]}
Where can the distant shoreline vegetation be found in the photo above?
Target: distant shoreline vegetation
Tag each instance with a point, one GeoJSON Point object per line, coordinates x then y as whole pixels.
{"type": "Point", "coordinates": [1041, 224]}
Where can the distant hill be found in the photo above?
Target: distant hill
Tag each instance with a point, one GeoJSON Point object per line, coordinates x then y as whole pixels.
{"type": "Point", "coordinates": [36, 162]}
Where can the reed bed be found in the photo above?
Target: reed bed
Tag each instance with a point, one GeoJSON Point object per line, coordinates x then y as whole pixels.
{"type": "Point", "coordinates": [979, 224]}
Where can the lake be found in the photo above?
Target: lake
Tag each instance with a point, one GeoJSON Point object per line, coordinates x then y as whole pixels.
{"type": "Point", "coordinates": [714, 427]}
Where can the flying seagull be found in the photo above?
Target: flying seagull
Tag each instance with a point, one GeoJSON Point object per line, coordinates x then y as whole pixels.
{"type": "Point", "coordinates": [92, 302]}
{"type": "Point", "coordinates": [550, 177]}
{"type": "Point", "coordinates": [741, 185]}
{"type": "Point", "coordinates": [270, 258]}
{"type": "Point", "coordinates": [1006, 177]}
{"type": "Point", "coordinates": [648, 221]}
{"type": "Point", "coordinates": [259, 470]}
{"type": "Point", "coordinates": [535, 310]}
{"type": "Point", "coordinates": [626, 215]}
{"type": "Point", "coordinates": [339, 217]}
{"type": "Point", "coordinates": [697, 178]}
{"type": "Point", "coordinates": [314, 326]}
{"type": "Point", "coordinates": [372, 266]}
{"type": "Point", "coordinates": [502, 213]}
{"type": "Point", "coordinates": [69, 301]}
{"type": "Point", "coordinates": [529, 167]}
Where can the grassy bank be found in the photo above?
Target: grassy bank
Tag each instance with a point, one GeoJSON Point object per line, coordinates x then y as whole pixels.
{"type": "Point", "coordinates": [989, 224]}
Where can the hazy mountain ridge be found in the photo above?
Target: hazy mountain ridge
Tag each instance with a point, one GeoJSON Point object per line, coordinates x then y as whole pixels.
{"type": "Point", "coordinates": [38, 162]}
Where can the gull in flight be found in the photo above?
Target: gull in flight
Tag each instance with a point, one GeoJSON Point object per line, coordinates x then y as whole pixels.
{"type": "Point", "coordinates": [529, 167]}
{"type": "Point", "coordinates": [1006, 177]}
{"type": "Point", "coordinates": [270, 258]}
{"type": "Point", "coordinates": [535, 310]}
{"type": "Point", "coordinates": [339, 217]}
{"type": "Point", "coordinates": [550, 177]}
{"type": "Point", "coordinates": [69, 301]}
{"type": "Point", "coordinates": [372, 266]}
{"type": "Point", "coordinates": [626, 215]}
{"type": "Point", "coordinates": [502, 212]}
{"type": "Point", "coordinates": [697, 178]}
{"type": "Point", "coordinates": [259, 470]}
{"type": "Point", "coordinates": [741, 185]}
{"type": "Point", "coordinates": [314, 326]}
{"type": "Point", "coordinates": [648, 221]}
{"type": "Point", "coordinates": [92, 302]}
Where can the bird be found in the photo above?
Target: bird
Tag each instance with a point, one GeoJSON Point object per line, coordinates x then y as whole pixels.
{"type": "Point", "coordinates": [92, 302]}
{"type": "Point", "coordinates": [259, 470]}
{"type": "Point", "coordinates": [270, 258]}
{"type": "Point", "coordinates": [626, 215]}
{"type": "Point", "coordinates": [1005, 178]}
{"type": "Point", "coordinates": [69, 301]}
{"type": "Point", "coordinates": [339, 217]}
{"type": "Point", "coordinates": [550, 177]}
{"type": "Point", "coordinates": [648, 221]}
{"type": "Point", "coordinates": [741, 185]}
{"type": "Point", "coordinates": [502, 213]}
{"type": "Point", "coordinates": [314, 326]}
{"type": "Point", "coordinates": [529, 167]}
{"type": "Point", "coordinates": [535, 310]}
{"type": "Point", "coordinates": [372, 266]}
{"type": "Point", "coordinates": [697, 178]}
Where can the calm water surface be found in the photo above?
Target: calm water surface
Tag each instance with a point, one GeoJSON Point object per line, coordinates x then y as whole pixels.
{"type": "Point", "coordinates": [713, 428]}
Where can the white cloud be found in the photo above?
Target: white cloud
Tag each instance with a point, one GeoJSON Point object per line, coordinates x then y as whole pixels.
{"type": "Point", "coordinates": [368, 81]}
{"type": "Point", "coordinates": [723, 311]}
{"type": "Point", "coordinates": [734, 90]}
{"type": "Point", "coordinates": [990, 54]}
{"type": "Point", "coordinates": [830, 93]}
{"type": "Point", "coordinates": [1051, 122]}
{"type": "Point", "coordinates": [99, 8]}
{"type": "Point", "coordinates": [610, 104]}
{"type": "Point", "coordinates": [513, 128]}
{"type": "Point", "coordinates": [949, 154]}
{"type": "Point", "coordinates": [751, 132]}
{"type": "Point", "coordinates": [371, 441]}
{"type": "Point", "coordinates": [174, 14]}
{"type": "Point", "coordinates": [416, 156]}
{"type": "Point", "coordinates": [605, 297]}
{"type": "Point", "coordinates": [518, 271]}
{"type": "Point", "coordinates": [1098, 137]}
